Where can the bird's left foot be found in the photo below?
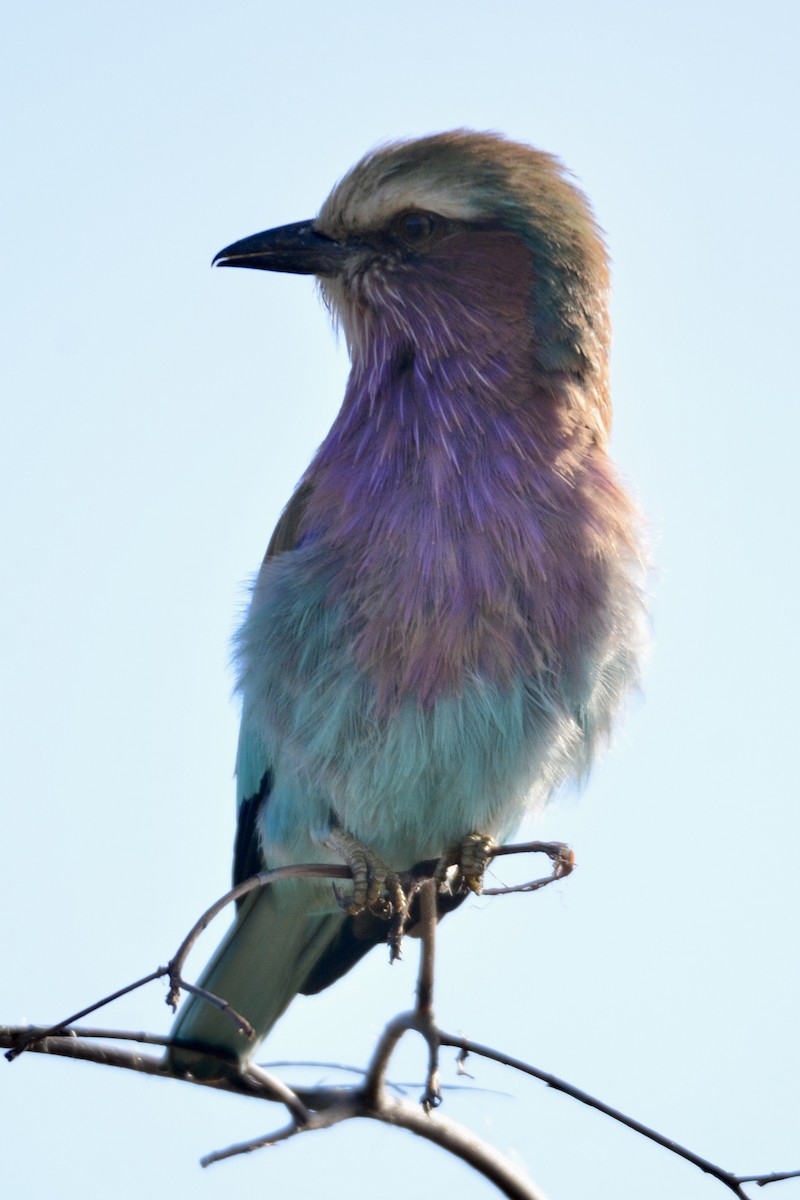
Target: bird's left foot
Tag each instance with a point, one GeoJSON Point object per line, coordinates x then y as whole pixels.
{"type": "Point", "coordinates": [376, 888]}
{"type": "Point", "coordinates": [470, 857]}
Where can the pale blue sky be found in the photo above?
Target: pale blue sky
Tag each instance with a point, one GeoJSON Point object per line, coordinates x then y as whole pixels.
{"type": "Point", "coordinates": [157, 415]}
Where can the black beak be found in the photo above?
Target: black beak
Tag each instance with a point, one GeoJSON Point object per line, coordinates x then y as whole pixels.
{"type": "Point", "coordinates": [297, 249]}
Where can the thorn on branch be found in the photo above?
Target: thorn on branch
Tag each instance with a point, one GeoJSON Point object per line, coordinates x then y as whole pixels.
{"type": "Point", "coordinates": [461, 1063]}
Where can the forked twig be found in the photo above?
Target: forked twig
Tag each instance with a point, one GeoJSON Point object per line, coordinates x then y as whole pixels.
{"type": "Point", "coordinates": [733, 1182]}
{"type": "Point", "coordinates": [254, 883]}
{"type": "Point", "coordinates": [27, 1038]}
{"type": "Point", "coordinates": [322, 1107]}
{"type": "Point", "coordinates": [174, 968]}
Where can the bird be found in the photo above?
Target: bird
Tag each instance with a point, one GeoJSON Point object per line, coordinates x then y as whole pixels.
{"type": "Point", "coordinates": [450, 613]}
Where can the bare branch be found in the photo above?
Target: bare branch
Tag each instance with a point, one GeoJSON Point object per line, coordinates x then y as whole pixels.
{"type": "Point", "coordinates": [731, 1181]}
{"type": "Point", "coordinates": [254, 883]}
{"type": "Point", "coordinates": [427, 933]}
{"type": "Point", "coordinates": [558, 851]}
{"type": "Point", "coordinates": [426, 1022]}
{"type": "Point", "coordinates": [371, 1100]}
{"type": "Point", "coordinates": [24, 1042]}
{"type": "Point", "coordinates": [254, 1081]}
{"type": "Point", "coordinates": [323, 1120]}
{"type": "Point", "coordinates": [280, 1091]}
{"type": "Point", "coordinates": [563, 863]}
{"type": "Point", "coordinates": [420, 1020]}
{"type": "Point", "coordinates": [330, 1105]}
{"type": "Point", "coordinates": [321, 1107]}
{"type": "Point", "coordinates": [764, 1180]}
{"type": "Point", "coordinates": [460, 1142]}
{"type": "Point", "coordinates": [401, 1114]}
{"type": "Point", "coordinates": [242, 1024]}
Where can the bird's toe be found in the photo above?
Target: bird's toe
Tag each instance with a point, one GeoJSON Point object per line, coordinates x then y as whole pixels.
{"type": "Point", "coordinates": [470, 857]}
{"type": "Point", "coordinates": [376, 888]}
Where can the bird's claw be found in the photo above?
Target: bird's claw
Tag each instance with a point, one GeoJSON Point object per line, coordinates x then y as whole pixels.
{"type": "Point", "coordinates": [470, 857]}
{"type": "Point", "coordinates": [376, 888]}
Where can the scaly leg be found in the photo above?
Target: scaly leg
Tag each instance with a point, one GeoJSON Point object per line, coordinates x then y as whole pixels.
{"type": "Point", "coordinates": [470, 857]}
{"type": "Point", "coordinates": [370, 877]}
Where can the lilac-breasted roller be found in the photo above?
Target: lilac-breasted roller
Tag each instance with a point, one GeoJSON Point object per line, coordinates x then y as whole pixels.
{"type": "Point", "coordinates": [449, 613]}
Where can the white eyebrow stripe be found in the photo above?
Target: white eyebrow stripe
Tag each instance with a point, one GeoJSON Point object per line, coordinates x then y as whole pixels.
{"type": "Point", "coordinates": [356, 212]}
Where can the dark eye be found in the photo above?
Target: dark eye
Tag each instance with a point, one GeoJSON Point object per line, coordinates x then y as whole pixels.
{"type": "Point", "coordinates": [414, 228]}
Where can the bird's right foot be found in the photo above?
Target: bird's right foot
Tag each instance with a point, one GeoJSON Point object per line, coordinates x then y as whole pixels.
{"type": "Point", "coordinates": [376, 888]}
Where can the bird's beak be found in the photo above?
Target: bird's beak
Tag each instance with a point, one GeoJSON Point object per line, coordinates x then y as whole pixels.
{"type": "Point", "coordinates": [297, 249]}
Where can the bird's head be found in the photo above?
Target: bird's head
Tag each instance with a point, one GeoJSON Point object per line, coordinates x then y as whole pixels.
{"type": "Point", "coordinates": [435, 246]}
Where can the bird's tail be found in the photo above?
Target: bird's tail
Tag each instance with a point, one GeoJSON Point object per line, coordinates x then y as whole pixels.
{"type": "Point", "coordinates": [278, 936]}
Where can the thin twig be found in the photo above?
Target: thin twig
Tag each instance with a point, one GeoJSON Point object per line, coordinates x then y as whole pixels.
{"type": "Point", "coordinates": [359, 1101]}
{"type": "Point", "coordinates": [36, 1033]}
{"type": "Point", "coordinates": [560, 853]}
{"type": "Point", "coordinates": [466, 1046]}
{"type": "Point", "coordinates": [427, 934]}
{"type": "Point", "coordinates": [774, 1177]}
{"type": "Point", "coordinates": [375, 1075]}
{"type": "Point", "coordinates": [420, 1020]}
{"type": "Point", "coordinates": [322, 1107]}
{"type": "Point", "coordinates": [254, 1082]}
{"type": "Point", "coordinates": [401, 1114]}
{"type": "Point", "coordinates": [426, 1022]}
{"type": "Point", "coordinates": [241, 1023]}
{"type": "Point", "coordinates": [323, 1120]}
{"type": "Point", "coordinates": [445, 1134]}
{"type": "Point", "coordinates": [269, 1139]}
{"type": "Point", "coordinates": [53, 1030]}
{"type": "Point", "coordinates": [532, 885]}
{"type": "Point", "coordinates": [254, 883]}
{"type": "Point", "coordinates": [330, 1105]}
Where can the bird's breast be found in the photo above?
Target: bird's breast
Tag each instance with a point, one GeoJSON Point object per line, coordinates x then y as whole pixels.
{"type": "Point", "coordinates": [439, 646]}
{"type": "Point", "coordinates": [408, 775]}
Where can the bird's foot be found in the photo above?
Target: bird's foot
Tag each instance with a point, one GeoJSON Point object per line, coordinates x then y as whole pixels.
{"type": "Point", "coordinates": [470, 857]}
{"type": "Point", "coordinates": [376, 888]}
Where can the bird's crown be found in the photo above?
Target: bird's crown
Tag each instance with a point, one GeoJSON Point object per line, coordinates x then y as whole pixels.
{"type": "Point", "coordinates": [466, 177]}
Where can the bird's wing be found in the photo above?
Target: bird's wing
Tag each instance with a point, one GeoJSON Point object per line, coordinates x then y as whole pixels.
{"type": "Point", "coordinates": [253, 773]}
{"type": "Point", "coordinates": [356, 935]}
{"type": "Point", "coordinates": [284, 536]}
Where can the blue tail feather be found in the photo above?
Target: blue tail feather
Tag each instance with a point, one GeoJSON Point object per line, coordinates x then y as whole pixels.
{"type": "Point", "coordinates": [292, 937]}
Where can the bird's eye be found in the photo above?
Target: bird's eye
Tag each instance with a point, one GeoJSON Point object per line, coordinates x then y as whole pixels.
{"type": "Point", "coordinates": [414, 227]}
